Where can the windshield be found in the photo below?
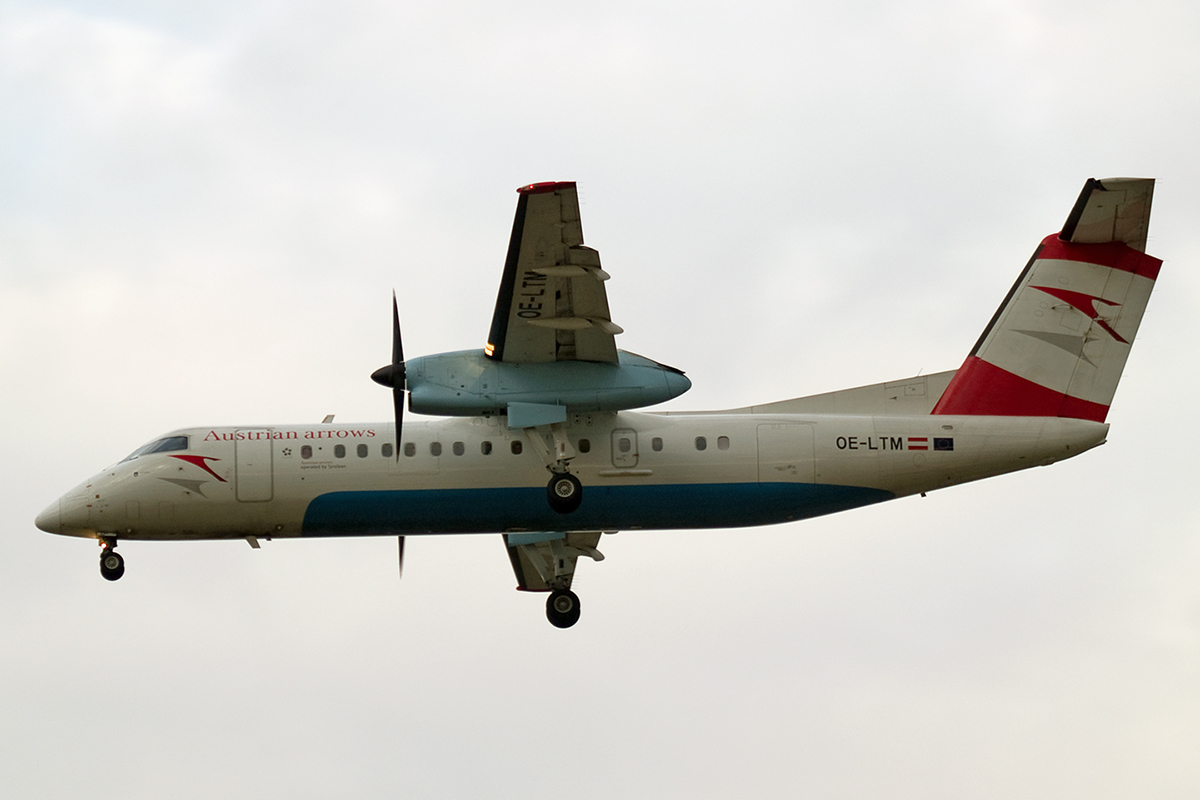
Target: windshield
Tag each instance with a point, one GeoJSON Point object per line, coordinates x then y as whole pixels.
{"type": "Point", "coordinates": [164, 445]}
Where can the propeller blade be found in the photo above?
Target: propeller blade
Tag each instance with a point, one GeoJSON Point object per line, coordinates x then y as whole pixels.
{"type": "Point", "coordinates": [400, 550]}
{"type": "Point", "coordinates": [398, 410]}
{"type": "Point", "coordinates": [397, 345]}
{"type": "Point", "coordinates": [393, 375]}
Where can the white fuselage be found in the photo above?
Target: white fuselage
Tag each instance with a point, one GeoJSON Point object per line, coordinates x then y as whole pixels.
{"type": "Point", "coordinates": [475, 475]}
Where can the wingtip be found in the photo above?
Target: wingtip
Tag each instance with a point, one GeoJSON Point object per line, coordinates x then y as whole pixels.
{"type": "Point", "coordinates": [546, 186]}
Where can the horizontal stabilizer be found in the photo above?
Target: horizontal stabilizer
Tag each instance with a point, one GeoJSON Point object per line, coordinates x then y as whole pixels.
{"type": "Point", "coordinates": [1111, 210]}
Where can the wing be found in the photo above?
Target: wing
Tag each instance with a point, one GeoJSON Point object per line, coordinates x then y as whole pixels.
{"type": "Point", "coordinates": [552, 305]}
{"type": "Point", "coordinates": [1111, 210]}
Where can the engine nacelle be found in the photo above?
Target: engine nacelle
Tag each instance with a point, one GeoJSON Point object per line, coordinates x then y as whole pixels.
{"type": "Point", "coordinates": [467, 383]}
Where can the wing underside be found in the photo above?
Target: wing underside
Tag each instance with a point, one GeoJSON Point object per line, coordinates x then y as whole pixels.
{"type": "Point", "coordinates": [543, 562]}
{"type": "Point", "coordinates": [552, 305]}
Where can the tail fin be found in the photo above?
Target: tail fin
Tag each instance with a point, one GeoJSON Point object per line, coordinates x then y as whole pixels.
{"type": "Point", "coordinates": [1058, 342]}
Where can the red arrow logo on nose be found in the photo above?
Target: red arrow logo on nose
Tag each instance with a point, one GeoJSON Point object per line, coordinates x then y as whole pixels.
{"type": "Point", "coordinates": [200, 461]}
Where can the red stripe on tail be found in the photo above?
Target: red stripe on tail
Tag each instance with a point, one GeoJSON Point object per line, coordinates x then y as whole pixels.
{"type": "Point", "coordinates": [983, 389]}
{"type": "Point", "coordinates": [1116, 255]}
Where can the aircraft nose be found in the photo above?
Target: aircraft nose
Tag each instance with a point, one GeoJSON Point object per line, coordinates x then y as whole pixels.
{"type": "Point", "coordinates": [50, 520]}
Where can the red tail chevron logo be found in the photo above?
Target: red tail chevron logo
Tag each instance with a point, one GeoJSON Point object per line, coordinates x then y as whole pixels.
{"type": "Point", "coordinates": [1086, 304]}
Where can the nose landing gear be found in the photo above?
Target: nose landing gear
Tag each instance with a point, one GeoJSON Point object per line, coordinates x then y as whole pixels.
{"type": "Point", "coordinates": [112, 566]}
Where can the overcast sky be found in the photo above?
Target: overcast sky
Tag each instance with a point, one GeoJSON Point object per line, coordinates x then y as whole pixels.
{"type": "Point", "coordinates": [205, 207]}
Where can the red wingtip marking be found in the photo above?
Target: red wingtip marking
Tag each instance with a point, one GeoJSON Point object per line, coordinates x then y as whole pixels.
{"type": "Point", "coordinates": [547, 186]}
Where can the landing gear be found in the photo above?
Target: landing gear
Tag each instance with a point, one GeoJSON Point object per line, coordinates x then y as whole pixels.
{"type": "Point", "coordinates": [562, 608]}
{"type": "Point", "coordinates": [112, 566]}
{"type": "Point", "coordinates": [564, 492]}
{"type": "Point", "coordinates": [545, 562]}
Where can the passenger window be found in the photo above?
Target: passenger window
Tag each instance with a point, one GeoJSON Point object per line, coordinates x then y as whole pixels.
{"type": "Point", "coordinates": [722, 442]}
{"type": "Point", "coordinates": [458, 448]}
{"type": "Point", "coordinates": [306, 451]}
{"type": "Point", "coordinates": [485, 447]}
{"type": "Point", "coordinates": [435, 448]}
{"type": "Point", "coordinates": [339, 451]}
{"type": "Point", "coordinates": [386, 450]}
{"type": "Point", "coordinates": [362, 451]}
{"type": "Point", "coordinates": [515, 447]}
{"type": "Point", "coordinates": [701, 443]}
{"type": "Point", "coordinates": [624, 445]}
{"type": "Point", "coordinates": [410, 449]}
{"type": "Point", "coordinates": [656, 444]}
{"type": "Point", "coordinates": [585, 445]}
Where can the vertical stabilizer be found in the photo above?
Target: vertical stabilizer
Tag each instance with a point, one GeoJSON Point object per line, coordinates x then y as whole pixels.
{"type": "Point", "coordinates": [1058, 343]}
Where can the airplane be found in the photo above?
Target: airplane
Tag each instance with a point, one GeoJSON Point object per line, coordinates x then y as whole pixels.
{"type": "Point", "coordinates": [551, 395]}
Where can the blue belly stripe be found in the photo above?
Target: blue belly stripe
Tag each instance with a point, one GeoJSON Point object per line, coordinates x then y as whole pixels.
{"type": "Point", "coordinates": [722, 505]}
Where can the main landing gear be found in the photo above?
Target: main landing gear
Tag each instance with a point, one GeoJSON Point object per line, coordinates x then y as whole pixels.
{"type": "Point", "coordinates": [112, 566]}
{"type": "Point", "coordinates": [545, 562]}
{"type": "Point", "coordinates": [564, 493]}
{"type": "Point", "coordinates": [562, 608]}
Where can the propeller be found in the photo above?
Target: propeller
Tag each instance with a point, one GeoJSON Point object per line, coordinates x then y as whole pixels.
{"type": "Point", "coordinates": [393, 375]}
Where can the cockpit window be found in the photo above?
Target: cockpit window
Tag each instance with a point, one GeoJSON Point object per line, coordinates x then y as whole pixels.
{"type": "Point", "coordinates": [165, 445]}
{"type": "Point", "coordinates": [169, 444]}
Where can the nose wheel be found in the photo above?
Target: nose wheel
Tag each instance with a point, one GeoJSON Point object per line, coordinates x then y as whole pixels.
{"type": "Point", "coordinates": [562, 608]}
{"type": "Point", "coordinates": [112, 566]}
{"type": "Point", "coordinates": [564, 492]}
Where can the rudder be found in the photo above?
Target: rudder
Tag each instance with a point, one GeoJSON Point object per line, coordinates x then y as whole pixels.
{"type": "Point", "coordinates": [1059, 341]}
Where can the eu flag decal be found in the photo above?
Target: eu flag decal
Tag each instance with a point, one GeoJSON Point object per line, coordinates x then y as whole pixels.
{"type": "Point", "coordinates": [943, 444]}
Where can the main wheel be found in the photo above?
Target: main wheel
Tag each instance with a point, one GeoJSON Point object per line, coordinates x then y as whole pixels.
{"type": "Point", "coordinates": [564, 492]}
{"type": "Point", "coordinates": [112, 566]}
{"type": "Point", "coordinates": [562, 608]}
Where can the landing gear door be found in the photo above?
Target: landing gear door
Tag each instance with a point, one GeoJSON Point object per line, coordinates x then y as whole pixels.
{"type": "Point", "coordinates": [253, 466]}
{"type": "Point", "coordinates": [624, 448]}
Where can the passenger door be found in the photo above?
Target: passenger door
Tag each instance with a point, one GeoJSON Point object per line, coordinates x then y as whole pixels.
{"type": "Point", "coordinates": [252, 466]}
{"type": "Point", "coordinates": [624, 448]}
